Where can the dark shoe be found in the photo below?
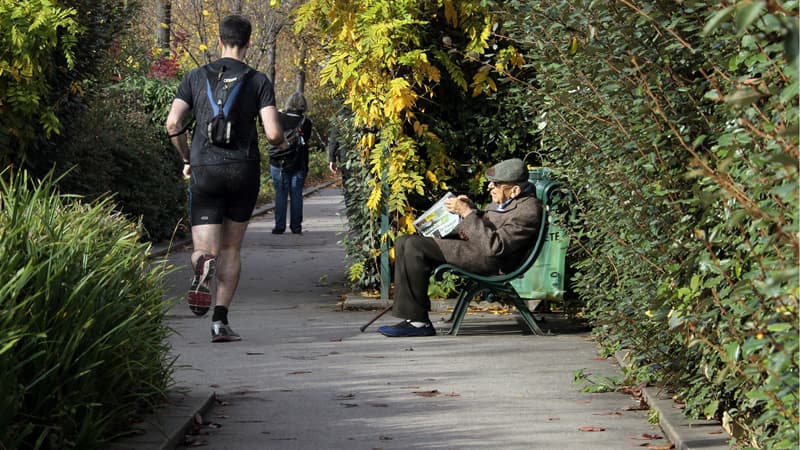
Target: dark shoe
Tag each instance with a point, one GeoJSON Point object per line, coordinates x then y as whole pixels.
{"type": "Point", "coordinates": [297, 231]}
{"type": "Point", "coordinates": [221, 332]}
{"type": "Point", "coordinates": [405, 329]}
{"type": "Point", "coordinates": [199, 296]}
{"type": "Point", "coordinates": [277, 231]}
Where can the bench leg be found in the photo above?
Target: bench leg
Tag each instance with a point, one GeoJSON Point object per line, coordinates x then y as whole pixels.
{"type": "Point", "coordinates": [523, 310]}
{"type": "Point", "coordinates": [462, 306]}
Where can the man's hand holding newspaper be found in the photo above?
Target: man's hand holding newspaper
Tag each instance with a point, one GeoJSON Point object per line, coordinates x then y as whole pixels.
{"type": "Point", "coordinates": [444, 215]}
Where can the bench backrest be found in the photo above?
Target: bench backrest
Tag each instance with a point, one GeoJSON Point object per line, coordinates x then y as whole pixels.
{"type": "Point", "coordinates": [543, 190]}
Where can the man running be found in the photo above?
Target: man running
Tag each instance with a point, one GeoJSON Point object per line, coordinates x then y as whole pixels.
{"type": "Point", "coordinates": [224, 173]}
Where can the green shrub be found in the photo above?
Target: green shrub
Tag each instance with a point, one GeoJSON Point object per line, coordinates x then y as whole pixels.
{"type": "Point", "coordinates": [118, 145]}
{"type": "Point", "coordinates": [51, 53]}
{"type": "Point", "coordinates": [82, 338]}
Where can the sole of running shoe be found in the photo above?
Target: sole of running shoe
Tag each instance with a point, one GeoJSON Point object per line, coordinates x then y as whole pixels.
{"type": "Point", "coordinates": [199, 295]}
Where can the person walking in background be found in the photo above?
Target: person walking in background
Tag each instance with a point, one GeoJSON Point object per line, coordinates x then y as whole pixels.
{"type": "Point", "coordinates": [223, 165]}
{"type": "Point", "coordinates": [289, 168]}
{"type": "Point", "coordinates": [336, 153]}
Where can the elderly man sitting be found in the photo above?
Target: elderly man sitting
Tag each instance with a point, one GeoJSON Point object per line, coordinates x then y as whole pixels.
{"type": "Point", "coordinates": [486, 242]}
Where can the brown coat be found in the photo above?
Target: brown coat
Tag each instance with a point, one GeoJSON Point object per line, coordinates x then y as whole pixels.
{"type": "Point", "coordinates": [494, 241]}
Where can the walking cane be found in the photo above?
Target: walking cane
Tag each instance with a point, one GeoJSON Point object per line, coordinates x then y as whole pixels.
{"type": "Point", "coordinates": [377, 316]}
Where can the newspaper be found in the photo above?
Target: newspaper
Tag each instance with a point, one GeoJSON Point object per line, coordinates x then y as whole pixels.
{"type": "Point", "coordinates": [437, 221]}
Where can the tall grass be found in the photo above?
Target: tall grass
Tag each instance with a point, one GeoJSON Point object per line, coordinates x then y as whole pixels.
{"type": "Point", "coordinates": [82, 336]}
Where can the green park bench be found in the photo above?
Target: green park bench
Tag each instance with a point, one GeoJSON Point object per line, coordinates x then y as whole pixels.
{"type": "Point", "coordinates": [500, 288]}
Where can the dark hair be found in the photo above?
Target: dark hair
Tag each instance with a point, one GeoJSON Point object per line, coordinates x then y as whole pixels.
{"type": "Point", "coordinates": [296, 103]}
{"type": "Point", "coordinates": [234, 31]}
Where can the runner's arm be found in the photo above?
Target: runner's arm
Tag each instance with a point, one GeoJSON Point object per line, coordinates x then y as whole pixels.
{"type": "Point", "coordinates": [177, 113]}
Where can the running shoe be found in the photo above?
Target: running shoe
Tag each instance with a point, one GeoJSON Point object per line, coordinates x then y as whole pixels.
{"type": "Point", "coordinates": [222, 332]}
{"type": "Point", "coordinates": [199, 296]}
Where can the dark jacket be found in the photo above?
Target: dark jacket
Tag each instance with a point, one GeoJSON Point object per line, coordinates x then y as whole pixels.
{"type": "Point", "coordinates": [290, 120]}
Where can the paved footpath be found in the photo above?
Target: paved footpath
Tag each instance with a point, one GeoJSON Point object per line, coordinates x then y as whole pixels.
{"type": "Point", "coordinates": [305, 377]}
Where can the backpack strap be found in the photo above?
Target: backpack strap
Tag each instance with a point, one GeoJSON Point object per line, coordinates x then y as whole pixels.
{"type": "Point", "coordinates": [212, 80]}
{"type": "Point", "coordinates": [226, 109]}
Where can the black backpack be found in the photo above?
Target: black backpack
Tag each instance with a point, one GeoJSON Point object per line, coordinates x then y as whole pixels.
{"type": "Point", "coordinates": [222, 91]}
{"type": "Point", "coordinates": [289, 158]}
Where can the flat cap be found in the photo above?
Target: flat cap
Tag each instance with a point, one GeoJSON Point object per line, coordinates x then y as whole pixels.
{"type": "Point", "coordinates": [508, 171]}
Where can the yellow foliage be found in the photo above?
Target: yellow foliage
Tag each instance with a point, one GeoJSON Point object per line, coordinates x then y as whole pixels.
{"type": "Point", "coordinates": [374, 201]}
{"type": "Point", "coordinates": [400, 98]}
{"type": "Point", "coordinates": [367, 141]}
{"type": "Point", "coordinates": [431, 177]}
{"type": "Point", "coordinates": [406, 224]}
{"type": "Point", "coordinates": [573, 46]}
{"type": "Point", "coordinates": [482, 81]}
{"type": "Point", "coordinates": [76, 88]}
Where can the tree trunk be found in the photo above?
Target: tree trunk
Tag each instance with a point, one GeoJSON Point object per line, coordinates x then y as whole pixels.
{"type": "Point", "coordinates": [164, 23]}
{"type": "Point", "coordinates": [301, 68]}
{"type": "Point", "coordinates": [271, 51]}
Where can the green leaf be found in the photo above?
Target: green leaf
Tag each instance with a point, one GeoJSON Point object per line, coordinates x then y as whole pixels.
{"type": "Point", "coordinates": [711, 409]}
{"type": "Point", "coordinates": [791, 46]}
{"type": "Point", "coordinates": [779, 327]}
{"type": "Point", "coordinates": [715, 19]}
{"type": "Point", "coordinates": [747, 13]}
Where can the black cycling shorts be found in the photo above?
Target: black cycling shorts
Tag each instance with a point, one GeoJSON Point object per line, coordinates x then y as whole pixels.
{"type": "Point", "coordinates": [227, 191]}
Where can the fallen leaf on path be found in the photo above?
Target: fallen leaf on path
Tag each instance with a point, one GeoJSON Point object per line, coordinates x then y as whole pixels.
{"type": "Point", "coordinates": [299, 372]}
{"type": "Point", "coordinates": [432, 393]}
{"type": "Point", "coordinates": [349, 405]}
{"type": "Point", "coordinates": [378, 405]}
{"type": "Point", "coordinates": [253, 353]}
{"type": "Point", "coordinates": [452, 394]}
{"type": "Point", "coordinates": [335, 339]}
{"type": "Point", "coordinates": [345, 396]}
{"type": "Point", "coordinates": [640, 407]}
{"type": "Point", "coordinates": [591, 429]}
{"type": "Point", "coordinates": [652, 436]}
{"type": "Point", "coordinates": [198, 419]}
{"type": "Point", "coordinates": [609, 413]}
